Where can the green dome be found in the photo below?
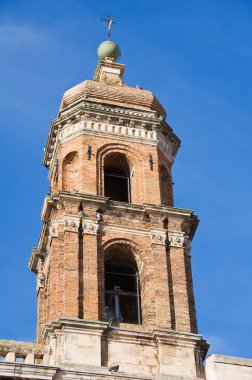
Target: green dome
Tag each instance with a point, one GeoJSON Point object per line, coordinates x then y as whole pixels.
{"type": "Point", "coordinates": [108, 49]}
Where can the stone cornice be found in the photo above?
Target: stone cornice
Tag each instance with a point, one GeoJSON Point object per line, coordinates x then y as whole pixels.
{"type": "Point", "coordinates": [145, 213]}
{"type": "Point", "coordinates": [225, 359]}
{"type": "Point", "coordinates": [163, 336]}
{"type": "Point", "coordinates": [107, 204]}
{"type": "Point", "coordinates": [118, 119]}
{"type": "Point", "coordinates": [74, 323]}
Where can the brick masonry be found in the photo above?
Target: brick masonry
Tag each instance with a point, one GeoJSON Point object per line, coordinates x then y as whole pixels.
{"type": "Point", "coordinates": [149, 230]}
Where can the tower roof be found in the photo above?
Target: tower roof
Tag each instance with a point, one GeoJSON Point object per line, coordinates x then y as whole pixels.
{"type": "Point", "coordinates": [115, 95]}
{"type": "Point", "coordinates": [108, 88]}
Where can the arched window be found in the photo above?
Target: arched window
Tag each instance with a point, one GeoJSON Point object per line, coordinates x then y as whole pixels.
{"type": "Point", "coordinates": [122, 290]}
{"type": "Point", "coordinates": [70, 171]}
{"type": "Point", "coordinates": [116, 177]}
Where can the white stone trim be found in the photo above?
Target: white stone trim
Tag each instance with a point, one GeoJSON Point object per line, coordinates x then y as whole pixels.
{"type": "Point", "coordinates": [158, 237]}
{"type": "Point", "coordinates": [53, 232]}
{"type": "Point", "coordinates": [165, 146]}
{"type": "Point", "coordinates": [122, 132]}
{"type": "Point", "coordinates": [40, 281]}
{"type": "Point", "coordinates": [176, 239]}
{"type": "Point", "coordinates": [124, 230]}
{"type": "Point", "coordinates": [89, 227]}
{"type": "Point", "coordinates": [71, 223]}
{"type": "Point", "coordinates": [53, 229]}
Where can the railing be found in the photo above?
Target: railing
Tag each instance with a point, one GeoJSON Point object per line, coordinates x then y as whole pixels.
{"type": "Point", "coordinates": [23, 352]}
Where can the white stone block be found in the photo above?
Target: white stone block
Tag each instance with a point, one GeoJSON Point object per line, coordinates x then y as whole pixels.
{"type": "Point", "coordinates": [10, 357]}
{"type": "Point", "coordinates": [30, 359]}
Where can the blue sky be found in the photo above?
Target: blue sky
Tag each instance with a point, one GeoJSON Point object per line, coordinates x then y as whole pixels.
{"type": "Point", "coordinates": [196, 57]}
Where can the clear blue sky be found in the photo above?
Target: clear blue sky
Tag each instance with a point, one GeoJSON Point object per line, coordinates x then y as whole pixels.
{"type": "Point", "coordinates": [196, 57]}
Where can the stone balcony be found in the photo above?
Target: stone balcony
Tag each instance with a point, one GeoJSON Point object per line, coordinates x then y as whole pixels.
{"type": "Point", "coordinates": [25, 361]}
{"type": "Point", "coordinates": [23, 352]}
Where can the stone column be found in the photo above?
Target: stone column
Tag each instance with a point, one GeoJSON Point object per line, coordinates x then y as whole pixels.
{"type": "Point", "coordinates": [162, 299]}
{"type": "Point", "coordinates": [53, 274]}
{"type": "Point", "coordinates": [179, 282]}
{"type": "Point", "coordinates": [188, 267]}
{"type": "Point", "coordinates": [90, 270]}
{"type": "Point", "coordinates": [71, 266]}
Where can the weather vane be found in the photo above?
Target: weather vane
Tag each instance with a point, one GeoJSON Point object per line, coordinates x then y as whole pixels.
{"type": "Point", "coordinates": [109, 22]}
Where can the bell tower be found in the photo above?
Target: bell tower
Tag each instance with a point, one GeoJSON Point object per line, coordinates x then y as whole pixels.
{"type": "Point", "coordinates": [113, 264]}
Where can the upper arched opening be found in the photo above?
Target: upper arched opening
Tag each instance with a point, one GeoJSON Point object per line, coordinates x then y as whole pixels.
{"type": "Point", "coordinates": [117, 177]}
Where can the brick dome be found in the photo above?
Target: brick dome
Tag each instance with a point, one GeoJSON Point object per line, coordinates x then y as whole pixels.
{"type": "Point", "coordinates": [116, 95]}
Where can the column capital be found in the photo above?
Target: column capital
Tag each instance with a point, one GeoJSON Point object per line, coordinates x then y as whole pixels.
{"type": "Point", "coordinates": [176, 239]}
{"type": "Point", "coordinates": [90, 227]}
{"type": "Point", "coordinates": [71, 223]}
{"type": "Point", "coordinates": [158, 237]}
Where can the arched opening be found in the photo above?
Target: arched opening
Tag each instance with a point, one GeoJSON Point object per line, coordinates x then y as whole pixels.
{"type": "Point", "coordinates": [70, 172]}
{"type": "Point", "coordinates": [116, 177]}
{"type": "Point", "coordinates": [122, 287]}
{"type": "Point", "coordinates": [165, 181]}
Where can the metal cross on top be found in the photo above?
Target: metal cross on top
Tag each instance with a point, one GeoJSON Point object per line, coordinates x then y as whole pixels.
{"type": "Point", "coordinates": [109, 22]}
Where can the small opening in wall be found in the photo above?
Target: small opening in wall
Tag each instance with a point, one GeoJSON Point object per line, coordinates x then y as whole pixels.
{"type": "Point", "coordinates": [116, 178]}
{"type": "Point", "coordinates": [19, 360]}
{"type": "Point", "coordinates": [2, 358]}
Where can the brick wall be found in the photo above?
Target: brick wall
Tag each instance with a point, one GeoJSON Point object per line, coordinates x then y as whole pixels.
{"type": "Point", "coordinates": [74, 270]}
{"type": "Point", "coordinates": [76, 171]}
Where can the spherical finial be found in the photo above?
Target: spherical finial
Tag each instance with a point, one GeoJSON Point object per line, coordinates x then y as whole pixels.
{"type": "Point", "coordinates": [108, 49]}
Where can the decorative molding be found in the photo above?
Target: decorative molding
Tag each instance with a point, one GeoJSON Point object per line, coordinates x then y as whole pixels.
{"type": "Point", "coordinates": [40, 280]}
{"type": "Point", "coordinates": [129, 131]}
{"type": "Point", "coordinates": [71, 223]}
{"type": "Point", "coordinates": [124, 229]}
{"type": "Point", "coordinates": [53, 230]}
{"type": "Point", "coordinates": [128, 216]}
{"type": "Point", "coordinates": [166, 146]}
{"type": "Point", "coordinates": [59, 206]}
{"type": "Point", "coordinates": [71, 204]}
{"type": "Point", "coordinates": [98, 113]}
{"type": "Point", "coordinates": [89, 227]}
{"type": "Point", "coordinates": [107, 128]}
{"type": "Point", "coordinates": [176, 239]}
{"type": "Point", "coordinates": [108, 112]}
{"type": "Point", "coordinates": [158, 237]}
{"type": "Point", "coordinates": [156, 218]}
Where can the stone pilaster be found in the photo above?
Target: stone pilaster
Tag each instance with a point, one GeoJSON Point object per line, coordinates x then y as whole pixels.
{"type": "Point", "coordinates": [163, 312]}
{"type": "Point", "coordinates": [90, 270]}
{"type": "Point", "coordinates": [71, 266]}
{"type": "Point", "coordinates": [179, 281]}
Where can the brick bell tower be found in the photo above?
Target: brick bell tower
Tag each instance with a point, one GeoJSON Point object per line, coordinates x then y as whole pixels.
{"type": "Point", "coordinates": [114, 281]}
